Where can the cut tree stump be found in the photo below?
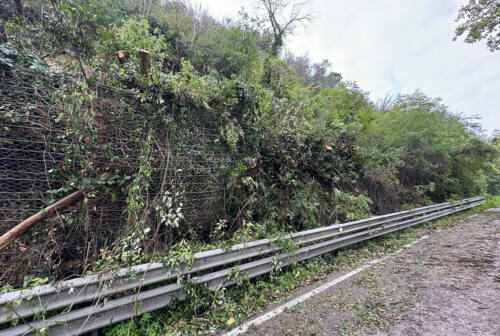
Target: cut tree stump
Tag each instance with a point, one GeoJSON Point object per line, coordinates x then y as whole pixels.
{"type": "Point", "coordinates": [145, 61]}
{"type": "Point", "coordinates": [122, 56]}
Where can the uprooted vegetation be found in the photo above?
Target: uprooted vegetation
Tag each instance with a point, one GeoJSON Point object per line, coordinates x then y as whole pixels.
{"type": "Point", "coordinates": [207, 140]}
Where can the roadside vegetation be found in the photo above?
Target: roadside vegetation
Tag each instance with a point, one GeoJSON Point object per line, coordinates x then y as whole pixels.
{"type": "Point", "coordinates": [187, 133]}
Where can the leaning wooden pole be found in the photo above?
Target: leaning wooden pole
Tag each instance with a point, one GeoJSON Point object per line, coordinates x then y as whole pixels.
{"type": "Point", "coordinates": [27, 224]}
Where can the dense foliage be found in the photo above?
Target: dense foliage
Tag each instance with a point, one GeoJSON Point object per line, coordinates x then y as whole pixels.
{"type": "Point", "coordinates": [480, 20]}
{"type": "Point", "coordinates": [304, 148]}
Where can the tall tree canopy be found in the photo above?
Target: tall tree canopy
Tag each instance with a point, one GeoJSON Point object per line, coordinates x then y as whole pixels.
{"type": "Point", "coordinates": [482, 21]}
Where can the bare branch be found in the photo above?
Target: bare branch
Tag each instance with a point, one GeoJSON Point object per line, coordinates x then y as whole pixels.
{"type": "Point", "coordinates": [283, 27]}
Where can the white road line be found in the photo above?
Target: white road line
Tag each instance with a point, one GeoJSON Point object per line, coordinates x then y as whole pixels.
{"type": "Point", "coordinates": [261, 319]}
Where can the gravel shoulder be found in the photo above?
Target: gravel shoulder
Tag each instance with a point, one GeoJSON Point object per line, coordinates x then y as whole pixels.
{"type": "Point", "coordinates": [447, 284]}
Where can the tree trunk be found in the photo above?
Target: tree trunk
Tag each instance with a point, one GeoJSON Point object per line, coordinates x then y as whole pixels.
{"type": "Point", "coordinates": [19, 7]}
{"type": "Point", "coordinates": [5, 34]}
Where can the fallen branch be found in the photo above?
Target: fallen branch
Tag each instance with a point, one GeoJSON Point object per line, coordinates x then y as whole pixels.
{"type": "Point", "coordinates": [27, 224]}
{"type": "Point", "coordinates": [242, 209]}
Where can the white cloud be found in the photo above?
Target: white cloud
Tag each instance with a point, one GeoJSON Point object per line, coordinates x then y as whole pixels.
{"type": "Point", "coordinates": [393, 46]}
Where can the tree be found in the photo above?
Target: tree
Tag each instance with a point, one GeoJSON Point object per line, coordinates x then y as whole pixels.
{"type": "Point", "coordinates": [434, 151]}
{"type": "Point", "coordinates": [322, 77]}
{"type": "Point", "coordinates": [495, 138]}
{"type": "Point", "coordinates": [482, 22]}
{"type": "Point", "coordinates": [281, 27]}
{"type": "Point", "coordinates": [316, 75]}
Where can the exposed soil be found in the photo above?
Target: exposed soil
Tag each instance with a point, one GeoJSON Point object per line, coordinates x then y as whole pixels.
{"type": "Point", "coordinates": [447, 284]}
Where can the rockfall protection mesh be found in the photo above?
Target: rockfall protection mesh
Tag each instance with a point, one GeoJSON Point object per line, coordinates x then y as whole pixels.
{"type": "Point", "coordinates": [186, 161]}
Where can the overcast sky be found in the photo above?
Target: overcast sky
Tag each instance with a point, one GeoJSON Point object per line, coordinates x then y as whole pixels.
{"type": "Point", "coordinates": [395, 46]}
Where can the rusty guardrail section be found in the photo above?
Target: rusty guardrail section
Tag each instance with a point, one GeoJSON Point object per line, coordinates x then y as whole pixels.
{"type": "Point", "coordinates": [82, 305]}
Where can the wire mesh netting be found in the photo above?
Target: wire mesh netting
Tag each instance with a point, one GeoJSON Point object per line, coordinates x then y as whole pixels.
{"type": "Point", "coordinates": [38, 161]}
{"type": "Point", "coordinates": [28, 146]}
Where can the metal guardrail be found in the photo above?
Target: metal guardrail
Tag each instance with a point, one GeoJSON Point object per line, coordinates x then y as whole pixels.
{"type": "Point", "coordinates": [94, 311]}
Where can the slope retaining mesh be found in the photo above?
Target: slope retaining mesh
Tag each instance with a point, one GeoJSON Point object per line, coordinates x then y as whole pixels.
{"type": "Point", "coordinates": [34, 161]}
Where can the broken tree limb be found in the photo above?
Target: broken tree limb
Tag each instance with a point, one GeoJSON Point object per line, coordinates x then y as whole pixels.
{"type": "Point", "coordinates": [242, 209]}
{"type": "Point", "coordinates": [27, 224]}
